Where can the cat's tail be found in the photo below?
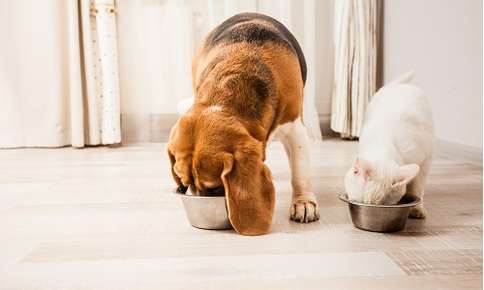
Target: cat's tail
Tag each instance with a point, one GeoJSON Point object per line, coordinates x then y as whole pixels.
{"type": "Point", "coordinates": [403, 79]}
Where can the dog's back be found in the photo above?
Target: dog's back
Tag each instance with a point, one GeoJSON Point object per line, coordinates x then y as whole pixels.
{"type": "Point", "coordinates": [258, 29]}
{"type": "Point", "coordinates": [252, 64]}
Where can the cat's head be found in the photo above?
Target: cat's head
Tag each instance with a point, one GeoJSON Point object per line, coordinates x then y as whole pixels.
{"type": "Point", "coordinates": [379, 182]}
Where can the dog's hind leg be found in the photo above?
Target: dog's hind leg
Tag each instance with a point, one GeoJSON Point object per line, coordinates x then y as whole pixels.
{"type": "Point", "coordinates": [294, 137]}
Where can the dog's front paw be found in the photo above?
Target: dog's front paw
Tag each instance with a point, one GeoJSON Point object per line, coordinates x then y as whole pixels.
{"type": "Point", "coordinates": [417, 212]}
{"type": "Point", "coordinates": [304, 208]}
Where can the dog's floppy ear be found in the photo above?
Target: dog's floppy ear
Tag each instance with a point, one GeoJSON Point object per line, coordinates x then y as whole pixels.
{"type": "Point", "coordinates": [249, 193]}
{"type": "Point", "coordinates": [180, 154]}
{"type": "Point", "coordinates": [181, 188]}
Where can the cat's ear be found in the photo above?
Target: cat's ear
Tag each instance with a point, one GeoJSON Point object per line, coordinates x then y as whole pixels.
{"type": "Point", "coordinates": [405, 174]}
{"type": "Point", "coordinates": [362, 168]}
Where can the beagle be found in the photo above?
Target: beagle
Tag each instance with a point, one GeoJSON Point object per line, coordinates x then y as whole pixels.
{"type": "Point", "coordinates": [248, 77]}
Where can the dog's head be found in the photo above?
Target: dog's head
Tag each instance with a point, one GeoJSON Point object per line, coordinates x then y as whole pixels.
{"type": "Point", "coordinates": [213, 154]}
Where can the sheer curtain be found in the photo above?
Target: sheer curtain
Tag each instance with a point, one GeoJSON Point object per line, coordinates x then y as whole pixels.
{"type": "Point", "coordinates": [158, 38]}
{"type": "Point", "coordinates": [59, 80]}
{"type": "Point", "coordinates": [58, 73]}
{"type": "Point", "coordinates": [356, 29]}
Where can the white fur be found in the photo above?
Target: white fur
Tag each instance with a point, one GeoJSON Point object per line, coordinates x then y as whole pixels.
{"type": "Point", "coordinates": [396, 146]}
{"type": "Point", "coordinates": [184, 105]}
{"type": "Point", "coordinates": [294, 137]}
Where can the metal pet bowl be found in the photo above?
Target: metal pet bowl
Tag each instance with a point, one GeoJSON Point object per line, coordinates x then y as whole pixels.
{"type": "Point", "coordinates": [380, 218]}
{"type": "Point", "coordinates": [206, 212]}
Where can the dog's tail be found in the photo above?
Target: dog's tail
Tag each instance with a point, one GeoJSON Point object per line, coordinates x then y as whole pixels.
{"type": "Point", "coordinates": [403, 79]}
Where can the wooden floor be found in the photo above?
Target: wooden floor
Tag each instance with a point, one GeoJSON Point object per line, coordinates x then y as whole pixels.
{"type": "Point", "coordinates": [104, 218]}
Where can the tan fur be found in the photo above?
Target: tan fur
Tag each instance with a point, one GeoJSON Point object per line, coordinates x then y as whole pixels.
{"type": "Point", "coordinates": [225, 146]}
{"type": "Point", "coordinates": [283, 64]}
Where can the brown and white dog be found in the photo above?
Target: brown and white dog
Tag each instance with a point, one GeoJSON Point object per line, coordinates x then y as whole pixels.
{"type": "Point", "coordinates": [248, 78]}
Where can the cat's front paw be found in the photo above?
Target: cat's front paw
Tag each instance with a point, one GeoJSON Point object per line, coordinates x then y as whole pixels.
{"type": "Point", "coordinates": [417, 212]}
{"type": "Point", "coordinates": [304, 208]}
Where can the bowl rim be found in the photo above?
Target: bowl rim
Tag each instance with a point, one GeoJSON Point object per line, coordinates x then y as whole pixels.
{"type": "Point", "coordinates": [197, 196]}
{"type": "Point", "coordinates": [344, 198]}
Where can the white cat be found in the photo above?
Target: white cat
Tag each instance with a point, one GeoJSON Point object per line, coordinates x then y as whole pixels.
{"type": "Point", "coordinates": [396, 147]}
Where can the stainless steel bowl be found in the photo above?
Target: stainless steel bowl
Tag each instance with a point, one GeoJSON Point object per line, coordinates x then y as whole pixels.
{"type": "Point", "coordinates": [380, 218]}
{"type": "Point", "coordinates": [206, 212]}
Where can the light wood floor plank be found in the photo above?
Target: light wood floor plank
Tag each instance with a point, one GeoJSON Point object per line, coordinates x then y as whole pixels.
{"type": "Point", "coordinates": [105, 218]}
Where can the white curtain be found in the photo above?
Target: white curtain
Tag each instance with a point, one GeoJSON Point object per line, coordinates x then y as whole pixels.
{"type": "Point", "coordinates": [58, 73]}
{"type": "Point", "coordinates": [158, 38]}
{"type": "Point", "coordinates": [356, 28]}
{"type": "Point", "coordinates": [156, 45]}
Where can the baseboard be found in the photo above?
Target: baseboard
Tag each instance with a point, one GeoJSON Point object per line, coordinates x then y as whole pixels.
{"type": "Point", "coordinates": [451, 150]}
{"type": "Point", "coordinates": [464, 153]}
{"type": "Point", "coordinates": [325, 124]}
{"type": "Point", "coordinates": [140, 128]}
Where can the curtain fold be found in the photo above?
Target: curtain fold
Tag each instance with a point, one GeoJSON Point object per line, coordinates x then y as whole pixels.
{"type": "Point", "coordinates": [103, 98]}
{"type": "Point", "coordinates": [59, 80]}
{"type": "Point", "coordinates": [356, 29]}
{"type": "Point", "coordinates": [58, 74]}
{"type": "Point", "coordinates": [74, 81]}
{"type": "Point", "coordinates": [156, 45]}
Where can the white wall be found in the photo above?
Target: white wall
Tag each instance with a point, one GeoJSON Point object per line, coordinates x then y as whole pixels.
{"type": "Point", "coordinates": [442, 41]}
{"type": "Point", "coordinates": [324, 60]}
